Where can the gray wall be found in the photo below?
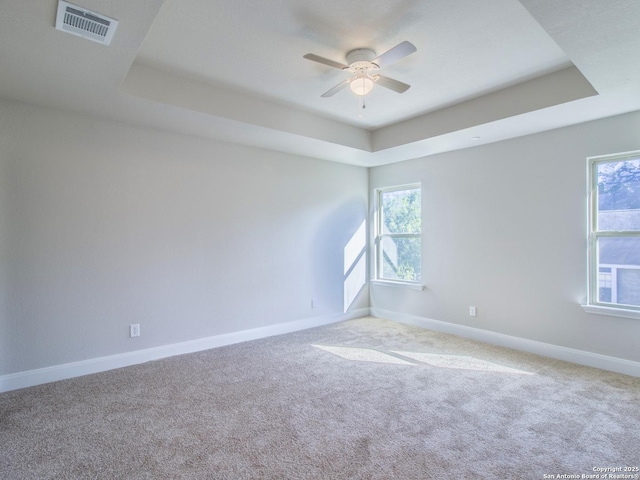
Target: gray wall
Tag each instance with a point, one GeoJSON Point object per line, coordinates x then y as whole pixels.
{"type": "Point", "coordinates": [505, 230]}
{"type": "Point", "coordinates": [104, 224]}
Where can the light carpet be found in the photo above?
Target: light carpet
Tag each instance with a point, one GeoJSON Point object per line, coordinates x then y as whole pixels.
{"type": "Point", "coordinates": [362, 399]}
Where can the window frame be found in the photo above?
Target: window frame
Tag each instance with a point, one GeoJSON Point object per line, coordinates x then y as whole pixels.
{"type": "Point", "coordinates": [594, 305]}
{"type": "Point", "coordinates": [379, 236]}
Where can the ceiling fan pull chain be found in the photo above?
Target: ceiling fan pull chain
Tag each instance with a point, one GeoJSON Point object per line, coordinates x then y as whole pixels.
{"type": "Point", "coordinates": [361, 106]}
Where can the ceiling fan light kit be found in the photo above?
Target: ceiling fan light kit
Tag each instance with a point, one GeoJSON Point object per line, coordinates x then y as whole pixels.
{"type": "Point", "coordinates": [361, 63]}
{"type": "Point", "coordinates": [361, 85]}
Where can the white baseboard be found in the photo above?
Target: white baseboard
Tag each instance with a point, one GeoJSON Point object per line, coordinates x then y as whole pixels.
{"type": "Point", "coordinates": [581, 357]}
{"type": "Point", "coordinates": [54, 373]}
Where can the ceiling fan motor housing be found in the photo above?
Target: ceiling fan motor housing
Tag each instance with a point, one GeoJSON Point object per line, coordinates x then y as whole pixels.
{"type": "Point", "coordinates": [359, 60]}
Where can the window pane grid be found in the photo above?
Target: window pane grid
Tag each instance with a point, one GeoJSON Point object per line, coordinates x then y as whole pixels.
{"type": "Point", "coordinates": [399, 234]}
{"type": "Point", "coordinates": [614, 244]}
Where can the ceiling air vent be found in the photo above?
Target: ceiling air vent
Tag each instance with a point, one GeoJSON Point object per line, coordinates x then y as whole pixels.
{"type": "Point", "coordinates": [85, 23]}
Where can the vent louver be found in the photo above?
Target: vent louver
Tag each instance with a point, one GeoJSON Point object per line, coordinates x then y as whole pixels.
{"type": "Point", "coordinates": [85, 23]}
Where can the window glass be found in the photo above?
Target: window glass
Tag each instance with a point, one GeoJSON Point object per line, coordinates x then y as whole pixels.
{"type": "Point", "coordinates": [401, 211]}
{"type": "Point", "coordinates": [401, 258]}
{"type": "Point", "coordinates": [619, 270]}
{"type": "Point", "coordinates": [618, 195]}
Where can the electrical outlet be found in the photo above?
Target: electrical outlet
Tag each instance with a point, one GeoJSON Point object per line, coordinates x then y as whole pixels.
{"type": "Point", "coordinates": [472, 311]}
{"type": "Point", "coordinates": [134, 330]}
{"type": "Point", "coordinates": [313, 303]}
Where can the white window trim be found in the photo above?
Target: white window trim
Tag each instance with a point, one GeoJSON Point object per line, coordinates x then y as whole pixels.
{"type": "Point", "coordinates": [611, 311]}
{"type": "Point", "coordinates": [401, 284]}
{"type": "Point", "coordinates": [377, 222]}
{"type": "Point", "coordinates": [593, 305]}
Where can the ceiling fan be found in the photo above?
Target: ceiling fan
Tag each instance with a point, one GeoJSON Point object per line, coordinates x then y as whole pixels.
{"type": "Point", "coordinates": [363, 63]}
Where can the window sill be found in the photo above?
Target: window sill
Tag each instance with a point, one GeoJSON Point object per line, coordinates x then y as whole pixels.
{"type": "Point", "coordinates": [614, 312]}
{"type": "Point", "coordinates": [389, 283]}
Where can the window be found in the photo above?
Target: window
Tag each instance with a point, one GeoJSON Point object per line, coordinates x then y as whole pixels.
{"type": "Point", "coordinates": [614, 237]}
{"type": "Point", "coordinates": [398, 241]}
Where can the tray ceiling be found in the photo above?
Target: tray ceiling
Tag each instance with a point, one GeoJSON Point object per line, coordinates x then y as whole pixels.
{"type": "Point", "coordinates": [484, 70]}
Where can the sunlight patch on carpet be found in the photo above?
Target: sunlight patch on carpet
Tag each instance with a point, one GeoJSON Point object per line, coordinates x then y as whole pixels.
{"type": "Point", "coordinates": [459, 362]}
{"type": "Point", "coordinates": [363, 355]}
{"type": "Point", "coordinates": [462, 362]}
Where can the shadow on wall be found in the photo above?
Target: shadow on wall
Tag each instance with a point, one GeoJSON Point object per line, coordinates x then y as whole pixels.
{"type": "Point", "coordinates": [340, 257]}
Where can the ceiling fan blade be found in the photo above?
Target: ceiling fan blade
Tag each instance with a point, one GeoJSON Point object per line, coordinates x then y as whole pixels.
{"type": "Point", "coordinates": [392, 84]}
{"type": "Point", "coordinates": [332, 91]}
{"type": "Point", "coordinates": [324, 61]}
{"type": "Point", "coordinates": [396, 53]}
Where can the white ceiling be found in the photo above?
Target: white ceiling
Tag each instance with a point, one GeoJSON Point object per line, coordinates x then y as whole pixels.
{"type": "Point", "coordinates": [257, 48]}
{"type": "Point", "coordinates": [485, 70]}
